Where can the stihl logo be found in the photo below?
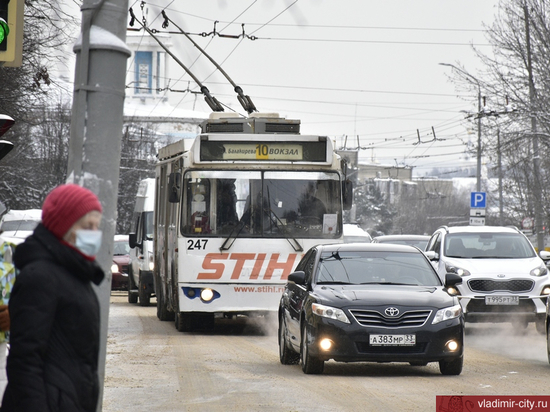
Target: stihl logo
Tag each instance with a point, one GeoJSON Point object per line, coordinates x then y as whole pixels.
{"type": "Point", "coordinates": [216, 263]}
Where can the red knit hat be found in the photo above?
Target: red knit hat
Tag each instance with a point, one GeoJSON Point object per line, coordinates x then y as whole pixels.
{"type": "Point", "coordinates": [64, 205]}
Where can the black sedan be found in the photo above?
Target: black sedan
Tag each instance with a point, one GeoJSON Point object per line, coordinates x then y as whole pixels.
{"type": "Point", "coordinates": [372, 303]}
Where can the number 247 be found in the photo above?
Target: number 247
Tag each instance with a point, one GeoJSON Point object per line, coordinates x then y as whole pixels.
{"type": "Point", "coordinates": [196, 244]}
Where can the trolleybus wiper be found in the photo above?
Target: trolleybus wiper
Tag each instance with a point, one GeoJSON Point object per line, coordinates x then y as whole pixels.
{"type": "Point", "coordinates": [245, 101]}
{"type": "Point", "coordinates": [226, 245]}
{"type": "Point", "coordinates": [278, 223]}
{"type": "Point", "coordinates": [214, 104]}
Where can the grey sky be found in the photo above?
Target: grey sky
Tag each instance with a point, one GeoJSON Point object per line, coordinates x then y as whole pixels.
{"type": "Point", "coordinates": [345, 68]}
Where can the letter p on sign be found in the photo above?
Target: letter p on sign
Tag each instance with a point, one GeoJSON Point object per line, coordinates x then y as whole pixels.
{"type": "Point", "coordinates": [477, 199]}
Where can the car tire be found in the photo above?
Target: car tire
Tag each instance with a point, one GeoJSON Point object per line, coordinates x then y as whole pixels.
{"type": "Point", "coordinates": [520, 325]}
{"type": "Point", "coordinates": [453, 367]}
{"type": "Point", "coordinates": [132, 297]}
{"type": "Point", "coordinates": [310, 364]}
{"type": "Point", "coordinates": [540, 324]}
{"type": "Point", "coordinates": [162, 310]}
{"type": "Point", "coordinates": [286, 355]}
{"type": "Point", "coordinates": [144, 296]}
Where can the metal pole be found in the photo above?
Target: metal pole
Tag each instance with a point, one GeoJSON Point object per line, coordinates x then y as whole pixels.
{"type": "Point", "coordinates": [500, 200]}
{"type": "Point", "coordinates": [479, 114]}
{"type": "Point", "coordinates": [96, 127]}
{"type": "Point", "coordinates": [478, 168]}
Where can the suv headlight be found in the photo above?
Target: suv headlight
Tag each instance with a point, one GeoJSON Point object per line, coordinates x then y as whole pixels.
{"type": "Point", "coordinates": [540, 271]}
{"type": "Point", "coordinates": [447, 314]}
{"type": "Point", "coordinates": [459, 271]}
{"type": "Point", "coordinates": [329, 312]}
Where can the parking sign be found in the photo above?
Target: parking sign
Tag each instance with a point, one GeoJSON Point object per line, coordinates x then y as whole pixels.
{"type": "Point", "coordinates": [477, 199]}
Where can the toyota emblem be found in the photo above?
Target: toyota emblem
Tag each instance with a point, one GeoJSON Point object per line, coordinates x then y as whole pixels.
{"type": "Point", "coordinates": [392, 312]}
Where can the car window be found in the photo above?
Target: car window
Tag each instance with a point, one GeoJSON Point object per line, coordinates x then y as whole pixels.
{"type": "Point", "coordinates": [434, 243]}
{"type": "Point", "coordinates": [121, 248]}
{"type": "Point", "coordinates": [488, 246]}
{"type": "Point", "coordinates": [14, 225]}
{"type": "Point", "coordinates": [361, 267]}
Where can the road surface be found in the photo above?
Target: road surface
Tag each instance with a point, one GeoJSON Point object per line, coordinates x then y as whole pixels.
{"type": "Point", "coordinates": [151, 366]}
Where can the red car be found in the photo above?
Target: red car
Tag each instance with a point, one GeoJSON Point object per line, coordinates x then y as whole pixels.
{"type": "Point", "coordinates": [121, 259]}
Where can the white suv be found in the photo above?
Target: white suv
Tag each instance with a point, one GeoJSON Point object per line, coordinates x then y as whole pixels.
{"type": "Point", "coordinates": [504, 280]}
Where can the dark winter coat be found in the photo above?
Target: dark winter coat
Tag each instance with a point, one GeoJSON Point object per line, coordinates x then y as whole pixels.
{"type": "Point", "coordinates": [54, 337]}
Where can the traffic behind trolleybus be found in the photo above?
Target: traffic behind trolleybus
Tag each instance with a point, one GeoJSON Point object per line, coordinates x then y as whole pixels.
{"type": "Point", "coordinates": [236, 212]}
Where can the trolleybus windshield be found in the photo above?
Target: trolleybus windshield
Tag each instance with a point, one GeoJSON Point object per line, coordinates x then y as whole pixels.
{"type": "Point", "coordinates": [262, 204]}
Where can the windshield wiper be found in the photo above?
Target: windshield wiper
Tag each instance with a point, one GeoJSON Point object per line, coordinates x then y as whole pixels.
{"type": "Point", "coordinates": [279, 224]}
{"type": "Point", "coordinates": [334, 282]}
{"type": "Point", "coordinates": [231, 238]}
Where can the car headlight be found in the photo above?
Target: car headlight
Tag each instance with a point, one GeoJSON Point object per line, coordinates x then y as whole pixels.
{"type": "Point", "coordinates": [329, 312]}
{"type": "Point", "coordinates": [114, 268]}
{"type": "Point", "coordinates": [459, 271]}
{"type": "Point", "coordinates": [540, 271]}
{"type": "Point", "coordinates": [447, 314]}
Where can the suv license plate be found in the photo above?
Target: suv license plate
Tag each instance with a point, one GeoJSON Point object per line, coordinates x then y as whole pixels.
{"type": "Point", "coordinates": [502, 300]}
{"type": "Point", "coordinates": [392, 340]}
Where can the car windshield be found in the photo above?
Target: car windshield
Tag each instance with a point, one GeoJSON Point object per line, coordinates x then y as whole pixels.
{"type": "Point", "coordinates": [488, 246]}
{"type": "Point", "coordinates": [362, 267]}
{"type": "Point", "coordinates": [419, 243]}
{"type": "Point", "coordinates": [14, 225]}
{"type": "Point", "coordinates": [121, 248]}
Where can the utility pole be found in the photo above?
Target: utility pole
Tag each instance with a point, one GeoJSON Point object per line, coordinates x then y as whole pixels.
{"type": "Point", "coordinates": [499, 164]}
{"type": "Point", "coordinates": [479, 114]}
{"type": "Point", "coordinates": [535, 138]}
{"type": "Point", "coordinates": [96, 128]}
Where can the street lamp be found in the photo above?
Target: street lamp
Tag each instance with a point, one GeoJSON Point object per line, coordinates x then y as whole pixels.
{"type": "Point", "coordinates": [478, 170]}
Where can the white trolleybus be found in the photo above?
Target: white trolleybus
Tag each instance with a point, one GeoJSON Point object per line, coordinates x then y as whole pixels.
{"type": "Point", "coordinates": [235, 213]}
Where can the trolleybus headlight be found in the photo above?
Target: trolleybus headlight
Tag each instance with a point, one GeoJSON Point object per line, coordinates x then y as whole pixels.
{"type": "Point", "coordinates": [207, 295]}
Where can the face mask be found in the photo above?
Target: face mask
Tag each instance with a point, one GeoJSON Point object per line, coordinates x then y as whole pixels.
{"type": "Point", "coordinates": [88, 241]}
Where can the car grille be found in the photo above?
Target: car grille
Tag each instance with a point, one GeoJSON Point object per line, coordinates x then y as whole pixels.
{"type": "Point", "coordinates": [490, 285]}
{"type": "Point", "coordinates": [413, 318]}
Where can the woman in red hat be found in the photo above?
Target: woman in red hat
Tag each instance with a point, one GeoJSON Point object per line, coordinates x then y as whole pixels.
{"type": "Point", "coordinates": [54, 311]}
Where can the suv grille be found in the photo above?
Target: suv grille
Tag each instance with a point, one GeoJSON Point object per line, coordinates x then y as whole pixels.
{"type": "Point", "coordinates": [414, 318]}
{"type": "Point", "coordinates": [490, 285]}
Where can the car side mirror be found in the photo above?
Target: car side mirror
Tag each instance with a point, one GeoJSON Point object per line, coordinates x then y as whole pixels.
{"type": "Point", "coordinates": [452, 279]}
{"type": "Point", "coordinates": [298, 277]}
{"type": "Point", "coordinates": [132, 241]}
{"type": "Point", "coordinates": [432, 255]}
{"type": "Point", "coordinates": [544, 255]}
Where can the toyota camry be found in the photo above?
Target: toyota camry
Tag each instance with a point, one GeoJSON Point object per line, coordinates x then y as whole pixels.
{"type": "Point", "coordinates": [369, 302]}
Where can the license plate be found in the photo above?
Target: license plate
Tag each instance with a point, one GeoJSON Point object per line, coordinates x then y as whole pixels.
{"type": "Point", "coordinates": [392, 340]}
{"type": "Point", "coordinates": [502, 300]}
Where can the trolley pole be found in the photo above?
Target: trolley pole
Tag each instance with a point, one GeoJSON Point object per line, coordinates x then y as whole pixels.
{"type": "Point", "coordinates": [96, 127]}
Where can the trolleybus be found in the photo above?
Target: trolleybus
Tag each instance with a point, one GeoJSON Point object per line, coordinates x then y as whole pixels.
{"type": "Point", "coordinates": [236, 211]}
